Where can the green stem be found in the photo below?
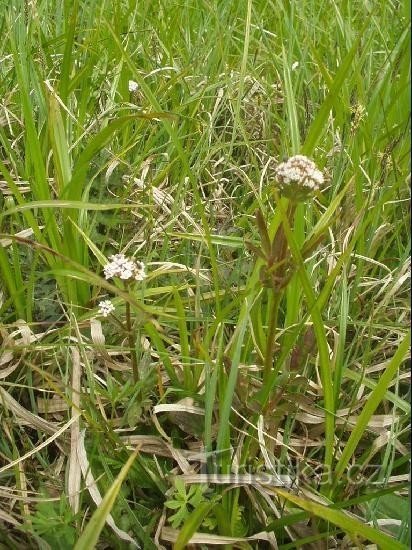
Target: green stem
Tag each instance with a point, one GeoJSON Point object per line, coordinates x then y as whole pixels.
{"type": "Point", "coordinates": [131, 343]}
{"type": "Point", "coordinates": [270, 342]}
{"type": "Point", "coordinates": [118, 321]}
{"type": "Point", "coordinates": [278, 256]}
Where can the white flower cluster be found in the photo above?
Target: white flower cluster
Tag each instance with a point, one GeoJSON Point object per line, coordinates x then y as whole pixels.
{"type": "Point", "coordinates": [122, 267]}
{"type": "Point", "coordinates": [133, 86]}
{"type": "Point", "coordinates": [298, 177]}
{"type": "Point", "coordinates": [105, 307]}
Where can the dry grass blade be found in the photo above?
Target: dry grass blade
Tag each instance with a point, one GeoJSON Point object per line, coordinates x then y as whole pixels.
{"type": "Point", "coordinates": [25, 233]}
{"type": "Point", "coordinates": [170, 535]}
{"type": "Point", "coordinates": [25, 416]}
{"type": "Point", "coordinates": [4, 516]}
{"type": "Point", "coordinates": [274, 480]}
{"type": "Point", "coordinates": [155, 445]}
{"type": "Point", "coordinates": [45, 443]}
{"type": "Point", "coordinates": [91, 486]}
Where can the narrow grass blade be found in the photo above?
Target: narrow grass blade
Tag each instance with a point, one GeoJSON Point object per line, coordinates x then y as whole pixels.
{"type": "Point", "coordinates": [223, 439]}
{"type": "Point", "coordinates": [68, 51]}
{"type": "Point", "coordinates": [351, 525]}
{"type": "Point", "coordinates": [163, 355]}
{"type": "Point", "coordinates": [61, 157]}
{"type": "Point", "coordinates": [192, 523]}
{"type": "Point", "coordinates": [9, 280]}
{"type": "Point", "coordinates": [292, 115]}
{"type": "Point", "coordinates": [80, 205]}
{"type": "Point", "coordinates": [74, 189]}
{"type": "Point", "coordinates": [183, 340]}
{"type": "Point", "coordinates": [317, 127]}
{"type": "Point", "coordinates": [90, 536]}
{"type": "Point", "coordinates": [371, 405]}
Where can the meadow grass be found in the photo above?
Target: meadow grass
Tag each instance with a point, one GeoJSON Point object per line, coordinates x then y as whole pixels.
{"type": "Point", "coordinates": [226, 401]}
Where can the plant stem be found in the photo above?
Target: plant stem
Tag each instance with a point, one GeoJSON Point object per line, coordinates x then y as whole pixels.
{"type": "Point", "coordinates": [131, 344]}
{"type": "Point", "coordinates": [270, 342]}
{"type": "Point", "coordinates": [118, 321]}
{"type": "Point", "coordinates": [279, 256]}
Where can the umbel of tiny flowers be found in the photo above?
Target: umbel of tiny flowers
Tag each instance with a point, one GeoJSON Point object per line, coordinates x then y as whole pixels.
{"type": "Point", "coordinates": [298, 178]}
{"type": "Point", "coordinates": [124, 268]}
{"type": "Point", "coordinates": [106, 307]}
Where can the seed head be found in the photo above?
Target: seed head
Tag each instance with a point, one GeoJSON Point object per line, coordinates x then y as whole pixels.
{"type": "Point", "coordinates": [298, 178]}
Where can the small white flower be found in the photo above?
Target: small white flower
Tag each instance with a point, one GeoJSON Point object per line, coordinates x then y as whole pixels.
{"type": "Point", "coordinates": [124, 268]}
{"type": "Point", "coordinates": [298, 177]}
{"type": "Point", "coordinates": [105, 307]}
{"type": "Point", "coordinates": [133, 86]}
{"type": "Point", "coordinates": [295, 65]}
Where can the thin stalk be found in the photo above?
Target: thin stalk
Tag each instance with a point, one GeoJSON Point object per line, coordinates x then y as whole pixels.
{"type": "Point", "coordinates": [131, 343]}
{"type": "Point", "coordinates": [118, 321]}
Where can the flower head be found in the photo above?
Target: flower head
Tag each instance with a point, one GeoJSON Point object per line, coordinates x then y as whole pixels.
{"type": "Point", "coordinates": [133, 86]}
{"type": "Point", "coordinates": [105, 307]}
{"type": "Point", "coordinates": [298, 178]}
{"type": "Point", "coordinates": [126, 269]}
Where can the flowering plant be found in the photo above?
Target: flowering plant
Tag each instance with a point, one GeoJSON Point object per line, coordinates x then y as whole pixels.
{"type": "Point", "coordinates": [128, 270]}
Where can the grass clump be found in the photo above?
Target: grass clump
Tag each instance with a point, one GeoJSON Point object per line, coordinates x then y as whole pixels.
{"type": "Point", "coordinates": [204, 260]}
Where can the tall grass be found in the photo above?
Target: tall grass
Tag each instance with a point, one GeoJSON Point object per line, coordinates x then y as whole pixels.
{"type": "Point", "coordinates": [235, 377]}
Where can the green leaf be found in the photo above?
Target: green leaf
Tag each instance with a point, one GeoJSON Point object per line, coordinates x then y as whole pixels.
{"type": "Point", "coordinates": [263, 232]}
{"type": "Point", "coordinates": [319, 124]}
{"type": "Point", "coordinates": [223, 439]}
{"type": "Point", "coordinates": [97, 143]}
{"type": "Point", "coordinates": [324, 221]}
{"type": "Point", "coordinates": [222, 240]}
{"type": "Point", "coordinates": [177, 518]}
{"type": "Point", "coordinates": [163, 355]}
{"type": "Point", "coordinates": [61, 157]}
{"type": "Point", "coordinates": [348, 523]}
{"type": "Point", "coordinates": [192, 523]}
{"type": "Point", "coordinates": [173, 504]}
{"type": "Point", "coordinates": [90, 536]}
{"type": "Point", "coordinates": [292, 115]}
{"type": "Point", "coordinates": [81, 205]}
{"type": "Point", "coordinates": [180, 487]}
{"type": "Point", "coordinates": [371, 405]}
